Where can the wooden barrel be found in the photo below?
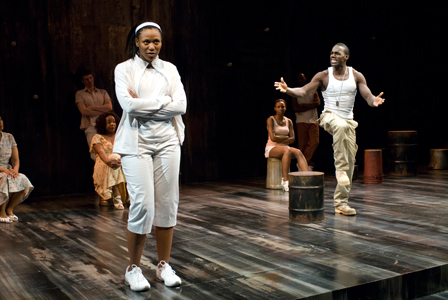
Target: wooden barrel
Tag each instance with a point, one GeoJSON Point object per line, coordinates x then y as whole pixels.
{"type": "Point", "coordinates": [306, 197]}
{"type": "Point", "coordinates": [438, 159]}
{"type": "Point", "coordinates": [373, 166]}
{"type": "Point", "coordinates": [402, 153]}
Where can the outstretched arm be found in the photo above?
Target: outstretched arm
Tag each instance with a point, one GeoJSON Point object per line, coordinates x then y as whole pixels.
{"type": "Point", "coordinates": [372, 100]}
{"type": "Point", "coordinates": [309, 88]}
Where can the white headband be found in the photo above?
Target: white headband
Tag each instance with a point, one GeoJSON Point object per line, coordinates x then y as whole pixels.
{"type": "Point", "coordinates": [147, 24]}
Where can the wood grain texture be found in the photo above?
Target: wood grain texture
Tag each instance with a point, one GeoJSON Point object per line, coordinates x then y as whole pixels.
{"type": "Point", "coordinates": [228, 54]}
{"type": "Point", "coordinates": [234, 241]}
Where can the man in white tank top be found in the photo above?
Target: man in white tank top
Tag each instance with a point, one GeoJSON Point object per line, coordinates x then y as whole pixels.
{"type": "Point", "coordinates": [338, 84]}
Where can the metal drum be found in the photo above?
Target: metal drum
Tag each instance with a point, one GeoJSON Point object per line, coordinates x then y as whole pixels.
{"type": "Point", "coordinates": [438, 159]}
{"type": "Point", "coordinates": [306, 197]}
{"type": "Point", "coordinates": [373, 166]}
{"type": "Point", "coordinates": [402, 153]}
{"type": "Point", "coordinates": [274, 174]}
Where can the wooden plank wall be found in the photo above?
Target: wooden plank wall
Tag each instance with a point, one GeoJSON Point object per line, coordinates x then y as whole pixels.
{"type": "Point", "coordinates": [228, 54]}
{"type": "Point", "coordinates": [47, 43]}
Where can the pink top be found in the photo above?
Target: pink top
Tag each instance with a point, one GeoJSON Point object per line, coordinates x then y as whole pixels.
{"type": "Point", "coordinates": [279, 130]}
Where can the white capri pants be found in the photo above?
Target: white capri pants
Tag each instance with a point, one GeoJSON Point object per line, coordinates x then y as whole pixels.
{"type": "Point", "coordinates": [152, 179]}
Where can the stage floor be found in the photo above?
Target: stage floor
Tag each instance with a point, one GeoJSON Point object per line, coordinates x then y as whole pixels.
{"type": "Point", "coordinates": [234, 241]}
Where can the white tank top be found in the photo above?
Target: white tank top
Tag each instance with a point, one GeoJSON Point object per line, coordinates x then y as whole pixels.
{"type": "Point", "coordinates": [345, 97]}
{"type": "Point", "coordinates": [279, 130]}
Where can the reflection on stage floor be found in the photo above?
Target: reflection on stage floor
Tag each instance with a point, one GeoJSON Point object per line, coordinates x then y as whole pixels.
{"type": "Point", "coordinates": [234, 241]}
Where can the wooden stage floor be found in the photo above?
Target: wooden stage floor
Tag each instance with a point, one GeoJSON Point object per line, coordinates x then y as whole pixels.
{"type": "Point", "coordinates": [234, 241]}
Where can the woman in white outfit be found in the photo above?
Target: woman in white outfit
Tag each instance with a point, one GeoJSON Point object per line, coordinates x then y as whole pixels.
{"type": "Point", "coordinates": [148, 138]}
{"type": "Point", "coordinates": [280, 135]}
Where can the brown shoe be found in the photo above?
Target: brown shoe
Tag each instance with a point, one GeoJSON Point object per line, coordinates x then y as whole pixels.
{"type": "Point", "coordinates": [345, 210]}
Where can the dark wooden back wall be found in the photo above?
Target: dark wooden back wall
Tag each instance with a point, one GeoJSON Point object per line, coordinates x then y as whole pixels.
{"type": "Point", "coordinates": [228, 53]}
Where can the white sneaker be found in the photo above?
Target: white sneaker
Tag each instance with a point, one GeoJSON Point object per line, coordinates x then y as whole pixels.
{"type": "Point", "coordinates": [166, 274]}
{"type": "Point", "coordinates": [342, 178]}
{"type": "Point", "coordinates": [285, 185]}
{"type": "Point", "coordinates": [135, 279]}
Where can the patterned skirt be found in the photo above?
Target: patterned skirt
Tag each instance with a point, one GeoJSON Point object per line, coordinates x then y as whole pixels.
{"type": "Point", "coordinates": [9, 185]}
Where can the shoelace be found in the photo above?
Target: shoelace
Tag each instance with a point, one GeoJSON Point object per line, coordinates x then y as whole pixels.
{"type": "Point", "coordinates": [140, 276]}
{"type": "Point", "coordinates": [169, 271]}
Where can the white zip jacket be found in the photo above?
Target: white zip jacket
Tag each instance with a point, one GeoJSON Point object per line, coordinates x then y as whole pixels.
{"type": "Point", "coordinates": [128, 75]}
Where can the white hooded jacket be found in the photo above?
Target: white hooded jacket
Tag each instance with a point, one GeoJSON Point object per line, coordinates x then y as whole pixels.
{"type": "Point", "coordinates": [128, 75]}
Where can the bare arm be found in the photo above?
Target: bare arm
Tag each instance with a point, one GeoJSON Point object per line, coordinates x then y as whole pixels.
{"type": "Point", "coordinates": [372, 100]}
{"type": "Point", "coordinates": [292, 136]}
{"type": "Point", "coordinates": [284, 139]}
{"type": "Point", "coordinates": [112, 163]}
{"type": "Point", "coordinates": [15, 162]}
{"type": "Point", "coordinates": [307, 89]}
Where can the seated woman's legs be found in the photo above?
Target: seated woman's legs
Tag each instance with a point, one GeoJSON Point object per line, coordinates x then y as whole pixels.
{"type": "Point", "coordinates": [301, 160]}
{"type": "Point", "coordinates": [284, 154]}
{"type": "Point", "coordinates": [7, 208]}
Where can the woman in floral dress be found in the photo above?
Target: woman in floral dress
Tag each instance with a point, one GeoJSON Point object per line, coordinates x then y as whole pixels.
{"type": "Point", "coordinates": [14, 186]}
{"type": "Point", "coordinates": [108, 177]}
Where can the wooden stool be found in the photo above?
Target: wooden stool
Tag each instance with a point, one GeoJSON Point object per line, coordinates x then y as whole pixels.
{"type": "Point", "coordinates": [274, 174]}
{"type": "Point", "coordinates": [438, 159]}
{"type": "Point", "coordinates": [306, 197]}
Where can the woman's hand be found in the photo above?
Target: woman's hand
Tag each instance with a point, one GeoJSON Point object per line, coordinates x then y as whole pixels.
{"type": "Point", "coordinates": [114, 163]}
{"type": "Point", "coordinates": [11, 173]}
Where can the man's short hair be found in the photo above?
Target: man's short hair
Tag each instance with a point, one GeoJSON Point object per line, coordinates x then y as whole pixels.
{"type": "Point", "coordinates": [84, 72]}
{"type": "Point", "coordinates": [346, 51]}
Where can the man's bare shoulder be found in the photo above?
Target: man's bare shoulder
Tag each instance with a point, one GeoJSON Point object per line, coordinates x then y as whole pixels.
{"type": "Point", "coordinates": [321, 75]}
{"type": "Point", "coordinates": [358, 75]}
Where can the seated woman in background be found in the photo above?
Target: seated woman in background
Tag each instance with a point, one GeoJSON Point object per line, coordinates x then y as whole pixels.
{"type": "Point", "coordinates": [14, 186]}
{"type": "Point", "coordinates": [280, 135]}
{"type": "Point", "coordinates": [108, 176]}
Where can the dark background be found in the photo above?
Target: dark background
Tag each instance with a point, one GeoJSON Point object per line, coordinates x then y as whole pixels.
{"type": "Point", "coordinates": [43, 43]}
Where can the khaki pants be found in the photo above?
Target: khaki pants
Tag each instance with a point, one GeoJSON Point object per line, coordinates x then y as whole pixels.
{"type": "Point", "coordinates": [344, 149]}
